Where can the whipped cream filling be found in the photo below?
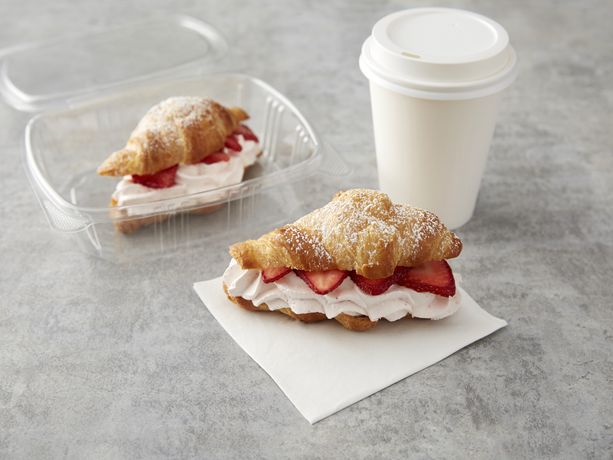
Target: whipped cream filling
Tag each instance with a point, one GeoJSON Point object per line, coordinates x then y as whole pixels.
{"type": "Point", "coordinates": [290, 291]}
{"type": "Point", "coordinates": [192, 178]}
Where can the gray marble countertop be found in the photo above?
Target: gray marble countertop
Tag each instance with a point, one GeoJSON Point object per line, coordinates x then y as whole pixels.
{"type": "Point", "coordinates": [101, 361]}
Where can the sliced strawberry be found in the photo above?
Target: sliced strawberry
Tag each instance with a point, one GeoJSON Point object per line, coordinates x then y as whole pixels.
{"type": "Point", "coordinates": [322, 282]}
{"type": "Point", "coordinates": [400, 273]}
{"type": "Point", "coordinates": [246, 133]}
{"type": "Point", "coordinates": [273, 274]}
{"type": "Point", "coordinates": [216, 158]}
{"type": "Point", "coordinates": [435, 277]}
{"type": "Point", "coordinates": [233, 144]}
{"type": "Point", "coordinates": [372, 286]}
{"type": "Point", "coordinates": [162, 179]}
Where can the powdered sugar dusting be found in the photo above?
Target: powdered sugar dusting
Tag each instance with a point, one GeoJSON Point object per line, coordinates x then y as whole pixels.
{"type": "Point", "coordinates": [429, 225]}
{"type": "Point", "coordinates": [303, 242]}
{"type": "Point", "coordinates": [184, 111]}
{"type": "Point", "coordinates": [367, 223]}
{"type": "Point", "coordinates": [164, 126]}
{"type": "Point", "coordinates": [359, 230]}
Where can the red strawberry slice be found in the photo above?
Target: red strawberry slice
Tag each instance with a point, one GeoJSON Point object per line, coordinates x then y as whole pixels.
{"type": "Point", "coordinates": [162, 179]}
{"type": "Point", "coordinates": [400, 273]}
{"type": "Point", "coordinates": [216, 158]}
{"type": "Point", "coordinates": [233, 144]}
{"type": "Point", "coordinates": [435, 277]}
{"type": "Point", "coordinates": [246, 133]}
{"type": "Point", "coordinates": [322, 282]}
{"type": "Point", "coordinates": [273, 274]}
{"type": "Point", "coordinates": [372, 286]}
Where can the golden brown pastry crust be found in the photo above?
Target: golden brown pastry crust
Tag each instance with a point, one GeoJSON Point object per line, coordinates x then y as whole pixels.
{"type": "Point", "coordinates": [359, 230]}
{"type": "Point", "coordinates": [353, 323]}
{"type": "Point", "coordinates": [178, 130]}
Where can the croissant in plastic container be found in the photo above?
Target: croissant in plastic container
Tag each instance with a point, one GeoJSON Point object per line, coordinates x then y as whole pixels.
{"type": "Point", "coordinates": [177, 133]}
{"type": "Point", "coordinates": [179, 130]}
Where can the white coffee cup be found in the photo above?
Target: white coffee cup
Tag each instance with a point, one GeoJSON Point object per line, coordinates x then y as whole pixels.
{"type": "Point", "coordinates": [436, 77]}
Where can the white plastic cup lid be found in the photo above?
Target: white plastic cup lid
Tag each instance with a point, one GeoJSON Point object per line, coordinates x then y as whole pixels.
{"type": "Point", "coordinates": [439, 53]}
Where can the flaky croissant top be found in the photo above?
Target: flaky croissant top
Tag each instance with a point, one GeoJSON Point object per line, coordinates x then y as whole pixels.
{"type": "Point", "coordinates": [179, 130]}
{"type": "Point", "coordinates": [359, 230]}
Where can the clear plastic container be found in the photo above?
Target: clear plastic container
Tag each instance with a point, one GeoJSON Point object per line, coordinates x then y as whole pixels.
{"type": "Point", "coordinates": [84, 116]}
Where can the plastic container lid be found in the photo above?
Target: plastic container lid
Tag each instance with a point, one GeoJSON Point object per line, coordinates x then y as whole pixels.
{"type": "Point", "coordinates": [439, 53]}
{"type": "Point", "coordinates": [47, 75]}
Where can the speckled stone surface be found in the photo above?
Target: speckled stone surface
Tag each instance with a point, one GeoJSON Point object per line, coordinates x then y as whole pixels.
{"type": "Point", "coordinates": [105, 361]}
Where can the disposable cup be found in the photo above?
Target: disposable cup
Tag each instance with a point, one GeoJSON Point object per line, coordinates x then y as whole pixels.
{"type": "Point", "coordinates": [436, 77]}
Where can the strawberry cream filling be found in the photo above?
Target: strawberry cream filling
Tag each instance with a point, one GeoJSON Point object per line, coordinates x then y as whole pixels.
{"type": "Point", "coordinates": [219, 169]}
{"type": "Point", "coordinates": [287, 288]}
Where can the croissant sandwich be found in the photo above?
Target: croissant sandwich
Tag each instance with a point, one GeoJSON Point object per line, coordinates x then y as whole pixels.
{"type": "Point", "coordinates": [182, 146]}
{"type": "Point", "coordinates": [357, 260]}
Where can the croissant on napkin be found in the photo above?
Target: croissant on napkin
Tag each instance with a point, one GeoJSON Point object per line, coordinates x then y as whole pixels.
{"type": "Point", "coordinates": [358, 259]}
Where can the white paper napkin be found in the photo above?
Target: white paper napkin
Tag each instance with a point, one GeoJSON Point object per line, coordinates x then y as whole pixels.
{"type": "Point", "coordinates": [323, 368]}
